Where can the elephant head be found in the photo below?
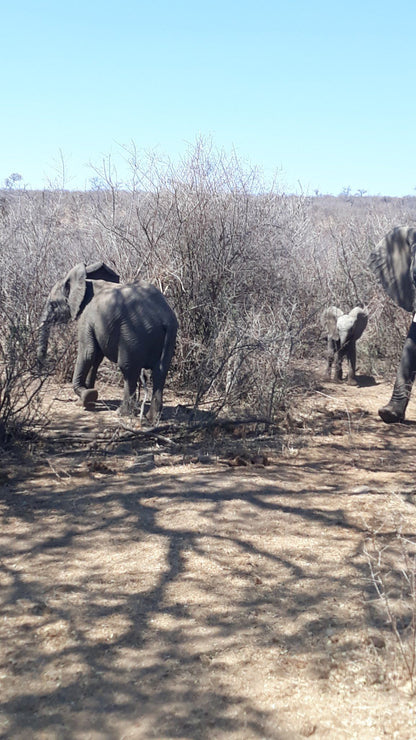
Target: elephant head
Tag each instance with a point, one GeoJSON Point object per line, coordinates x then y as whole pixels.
{"type": "Point", "coordinates": [329, 319]}
{"type": "Point", "coordinates": [68, 298]}
{"type": "Point", "coordinates": [393, 261]}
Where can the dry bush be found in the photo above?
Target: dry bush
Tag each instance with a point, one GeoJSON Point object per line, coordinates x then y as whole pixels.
{"type": "Point", "coordinates": [247, 268]}
{"type": "Point", "coordinates": [19, 386]}
{"type": "Point", "coordinates": [32, 225]}
{"type": "Point", "coordinates": [232, 258]}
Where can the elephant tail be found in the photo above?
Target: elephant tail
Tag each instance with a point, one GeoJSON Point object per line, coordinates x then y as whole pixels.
{"type": "Point", "coordinates": [169, 344]}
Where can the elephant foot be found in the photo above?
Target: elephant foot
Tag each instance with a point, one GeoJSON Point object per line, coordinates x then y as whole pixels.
{"type": "Point", "coordinates": [89, 397]}
{"type": "Point", "coordinates": [352, 381]}
{"type": "Point", "coordinates": [390, 415]}
{"type": "Point", "coordinates": [128, 409]}
{"type": "Point", "coordinates": [153, 416]}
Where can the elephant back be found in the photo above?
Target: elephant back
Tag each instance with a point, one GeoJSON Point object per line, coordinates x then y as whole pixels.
{"type": "Point", "coordinates": [138, 303]}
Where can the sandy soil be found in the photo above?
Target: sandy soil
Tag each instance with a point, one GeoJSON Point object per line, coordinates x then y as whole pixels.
{"type": "Point", "coordinates": [151, 591]}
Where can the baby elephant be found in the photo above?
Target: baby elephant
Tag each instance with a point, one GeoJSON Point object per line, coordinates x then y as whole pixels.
{"type": "Point", "coordinates": [342, 332]}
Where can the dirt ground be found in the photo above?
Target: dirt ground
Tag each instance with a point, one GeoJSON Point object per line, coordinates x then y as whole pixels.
{"type": "Point", "coordinates": [214, 590]}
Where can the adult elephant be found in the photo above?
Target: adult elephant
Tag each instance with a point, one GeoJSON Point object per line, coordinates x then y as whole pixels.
{"type": "Point", "coordinates": [132, 325]}
{"type": "Point", "coordinates": [393, 261]}
{"type": "Point", "coordinates": [342, 332]}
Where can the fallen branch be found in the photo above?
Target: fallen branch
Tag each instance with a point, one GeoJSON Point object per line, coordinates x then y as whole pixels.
{"type": "Point", "coordinates": [158, 433]}
{"type": "Point", "coordinates": [151, 432]}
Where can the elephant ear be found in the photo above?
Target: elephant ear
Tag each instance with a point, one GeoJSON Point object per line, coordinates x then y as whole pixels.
{"type": "Point", "coordinates": [329, 321]}
{"type": "Point", "coordinates": [391, 262]}
{"type": "Point", "coordinates": [100, 271]}
{"type": "Point", "coordinates": [351, 325]}
{"type": "Point", "coordinates": [361, 321]}
{"type": "Point", "coordinates": [73, 288]}
{"type": "Point", "coordinates": [75, 283]}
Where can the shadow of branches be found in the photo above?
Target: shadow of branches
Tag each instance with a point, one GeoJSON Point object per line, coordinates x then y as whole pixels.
{"type": "Point", "coordinates": [134, 603]}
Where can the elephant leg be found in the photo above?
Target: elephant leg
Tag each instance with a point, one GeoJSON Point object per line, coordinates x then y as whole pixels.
{"type": "Point", "coordinates": [129, 403]}
{"type": "Point", "coordinates": [85, 373]}
{"type": "Point", "coordinates": [351, 355]}
{"type": "Point", "coordinates": [159, 373]}
{"type": "Point", "coordinates": [338, 365]}
{"type": "Point", "coordinates": [92, 375]}
{"type": "Point", "coordinates": [395, 410]}
{"type": "Point", "coordinates": [158, 377]}
{"type": "Point", "coordinates": [331, 349]}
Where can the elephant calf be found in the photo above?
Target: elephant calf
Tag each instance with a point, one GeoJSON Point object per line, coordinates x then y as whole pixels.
{"type": "Point", "coordinates": [342, 332]}
{"type": "Point", "coordinates": [132, 325]}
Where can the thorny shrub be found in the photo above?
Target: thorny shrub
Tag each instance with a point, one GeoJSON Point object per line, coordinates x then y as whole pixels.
{"type": "Point", "coordinates": [19, 389]}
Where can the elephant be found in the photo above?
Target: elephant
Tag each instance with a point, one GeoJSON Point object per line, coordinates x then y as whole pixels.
{"type": "Point", "coordinates": [342, 331]}
{"type": "Point", "coordinates": [393, 262]}
{"type": "Point", "coordinates": [131, 324]}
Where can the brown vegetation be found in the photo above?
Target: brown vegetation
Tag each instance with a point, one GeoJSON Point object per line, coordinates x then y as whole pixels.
{"type": "Point", "coordinates": [247, 271]}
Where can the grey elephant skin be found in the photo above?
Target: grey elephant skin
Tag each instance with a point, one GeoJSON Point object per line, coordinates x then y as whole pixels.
{"type": "Point", "coordinates": [343, 330]}
{"type": "Point", "coordinates": [130, 324]}
{"type": "Point", "coordinates": [393, 261]}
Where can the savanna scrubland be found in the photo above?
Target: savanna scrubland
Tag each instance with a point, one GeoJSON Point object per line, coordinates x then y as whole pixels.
{"type": "Point", "coordinates": [247, 271]}
{"type": "Point", "coordinates": [246, 569]}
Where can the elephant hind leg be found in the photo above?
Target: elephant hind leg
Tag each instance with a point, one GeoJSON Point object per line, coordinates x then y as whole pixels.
{"type": "Point", "coordinates": [338, 367]}
{"type": "Point", "coordinates": [129, 403]}
{"type": "Point", "coordinates": [159, 373]}
{"type": "Point", "coordinates": [158, 377]}
{"type": "Point", "coordinates": [331, 349]}
{"type": "Point", "coordinates": [352, 360]}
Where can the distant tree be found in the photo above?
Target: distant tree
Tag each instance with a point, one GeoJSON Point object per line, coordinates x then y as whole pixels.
{"type": "Point", "coordinates": [13, 181]}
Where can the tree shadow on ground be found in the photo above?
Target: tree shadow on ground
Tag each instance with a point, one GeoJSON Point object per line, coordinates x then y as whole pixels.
{"type": "Point", "coordinates": [136, 603]}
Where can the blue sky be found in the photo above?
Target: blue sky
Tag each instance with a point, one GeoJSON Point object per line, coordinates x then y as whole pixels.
{"type": "Point", "coordinates": [322, 91]}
